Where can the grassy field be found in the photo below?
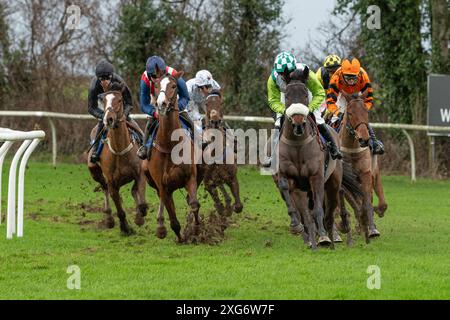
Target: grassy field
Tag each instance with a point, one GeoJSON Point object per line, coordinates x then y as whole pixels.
{"type": "Point", "coordinates": [258, 258]}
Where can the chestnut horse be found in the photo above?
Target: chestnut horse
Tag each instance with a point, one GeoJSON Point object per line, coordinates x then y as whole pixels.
{"type": "Point", "coordinates": [354, 137]}
{"type": "Point", "coordinates": [217, 175]}
{"type": "Point", "coordinates": [119, 164]}
{"type": "Point", "coordinates": [304, 183]}
{"type": "Point", "coordinates": [161, 171]}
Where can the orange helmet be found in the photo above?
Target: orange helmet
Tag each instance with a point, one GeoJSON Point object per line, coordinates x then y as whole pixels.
{"type": "Point", "coordinates": [351, 68]}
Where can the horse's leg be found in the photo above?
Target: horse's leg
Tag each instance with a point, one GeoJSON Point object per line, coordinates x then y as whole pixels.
{"type": "Point", "coordinates": [300, 200]}
{"type": "Point", "coordinates": [226, 198]}
{"type": "Point", "coordinates": [345, 217]}
{"type": "Point", "coordinates": [115, 195]}
{"type": "Point", "coordinates": [296, 226]}
{"type": "Point", "coordinates": [317, 191]}
{"type": "Point", "coordinates": [191, 188]}
{"type": "Point", "coordinates": [212, 190]}
{"type": "Point", "coordinates": [367, 209]}
{"type": "Point", "coordinates": [138, 192]}
{"type": "Point", "coordinates": [378, 187]}
{"type": "Point", "coordinates": [332, 188]}
{"type": "Point", "coordinates": [96, 173]}
{"type": "Point", "coordinates": [234, 186]}
{"type": "Point", "coordinates": [167, 201]}
{"type": "Point", "coordinates": [161, 231]}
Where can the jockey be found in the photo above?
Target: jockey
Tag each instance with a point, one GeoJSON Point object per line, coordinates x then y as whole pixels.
{"type": "Point", "coordinates": [104, 77]}
{"type": "Point", "coordinates": [155, 69]}
{"type": "Point", "coordinates": [351, 78]}
{"type": "Point", "coordinates": [199, 88]}
{"type": "Point", "coordinates": [285, 63]}
{"type": "Point", "coordinates": [330, 65]}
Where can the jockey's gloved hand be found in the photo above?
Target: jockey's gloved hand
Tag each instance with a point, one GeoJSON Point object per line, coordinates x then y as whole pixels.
{"type": "Point", "coordinates": [155, 115]}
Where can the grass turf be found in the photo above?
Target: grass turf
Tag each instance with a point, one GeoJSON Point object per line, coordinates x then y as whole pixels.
{"type": "Point", "coordinates": [258, 259]}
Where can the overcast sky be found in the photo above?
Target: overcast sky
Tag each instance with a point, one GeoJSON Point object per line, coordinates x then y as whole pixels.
{"type": "Point", "coordinates": [305, 15]}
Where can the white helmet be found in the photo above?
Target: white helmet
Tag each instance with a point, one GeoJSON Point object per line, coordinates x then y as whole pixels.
{"type": "Point", "coordinates": [203, 78]}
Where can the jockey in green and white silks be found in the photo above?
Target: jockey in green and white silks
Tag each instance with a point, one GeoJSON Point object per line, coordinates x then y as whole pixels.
{"type": "Point", "coordinates": [285, 63]}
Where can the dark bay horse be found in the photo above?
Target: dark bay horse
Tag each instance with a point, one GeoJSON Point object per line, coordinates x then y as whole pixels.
{"type": "Point", "coordinates": [354, 137]}
{"type": "Point", "coordinates": [217, 175]}
{"type": "Point", "coordinates": [119, 163]}
{"type": "Point", "coordinates": [161, 171]}
{"type": "Point", "coordinates": [304, 183]}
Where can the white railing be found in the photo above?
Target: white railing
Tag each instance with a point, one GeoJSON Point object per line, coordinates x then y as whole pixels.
{"type": "Point", "coordinates": [30, 141]}
{"type": "Point", "coordinates": [54, 115]}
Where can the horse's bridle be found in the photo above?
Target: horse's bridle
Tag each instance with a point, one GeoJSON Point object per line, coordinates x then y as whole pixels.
{"type": "Point", "coordinates": [120, 118]}
{"type": "Point", "coordinates": [171, 106]}
{"type": "Point", "coordinates": [349, 127]}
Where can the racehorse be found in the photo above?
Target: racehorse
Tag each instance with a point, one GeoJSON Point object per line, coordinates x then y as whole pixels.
{"type": "Point", "coordinates": [119, 164]}
{"type": "Point", "coordinates": [217, 175]}
{"type": "Point", "coordinates": [354, 137]}
{"type": "Point", "coordinates": [161, 171]}
{"type": "Point", "coordinates": [303, 181]}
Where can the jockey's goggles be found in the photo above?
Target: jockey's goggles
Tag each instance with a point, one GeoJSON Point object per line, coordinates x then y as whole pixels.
{"type": "Point", "coordinates": [105, 77]}
{"type": "Point", "coordinates": [350, 78]}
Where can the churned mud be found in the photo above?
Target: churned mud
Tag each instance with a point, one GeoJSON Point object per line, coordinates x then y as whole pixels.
{"type": "Point", "coordinates": [211, 230]}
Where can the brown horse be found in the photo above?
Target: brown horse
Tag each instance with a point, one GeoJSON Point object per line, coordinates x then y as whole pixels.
{"type": "Point", "coordinates": [217, 175]}
{"type": "Point", "coordinates": [355, 147]}
{"type": "Point", "coordinates": [161, 171]}
{"type": "Point", "coordinates": [119, 163]}
{"type": "Point", "coordinates": [304, 183]}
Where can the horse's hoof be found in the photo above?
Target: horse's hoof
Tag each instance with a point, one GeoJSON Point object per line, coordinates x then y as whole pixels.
{"type": "Point", "coordinates": [237, 208]}
{"type": "Point", "coordinates": [374, 233]}
{"type": "Point", "coordinates": [139, 220]}
{"type": "Point", "coordinates": [380, 210]}
{"type": "Point", "coordinates": [161, 232]}
{"type": "Point", "coordinates": [324, 241]}
{"type": "Point", "coordinates": [109, 223]}
{"type": "Point", "coordinates": [298, 229]}
{"type": "Point", "coordinates": [127, 231]}
{"type": "Point", "coordinates": [337, 238]}
{"type": "Point", "coordinates": [309, 244]}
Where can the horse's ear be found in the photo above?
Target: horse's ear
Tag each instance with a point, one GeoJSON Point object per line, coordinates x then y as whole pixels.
{"type": "Point", "coordinates": [365, 94]}
{"type": "Point", "coordinates": [178, 75]}
{"type": "Point", "coordinates": [306, 73]}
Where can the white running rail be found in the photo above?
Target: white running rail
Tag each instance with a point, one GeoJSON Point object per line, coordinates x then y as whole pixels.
{"type": "Point", "coordinates": [30, 141]}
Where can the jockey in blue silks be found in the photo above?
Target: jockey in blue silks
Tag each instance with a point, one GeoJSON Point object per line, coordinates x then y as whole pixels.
{"type": "Point", "coordinates": [156, 69]}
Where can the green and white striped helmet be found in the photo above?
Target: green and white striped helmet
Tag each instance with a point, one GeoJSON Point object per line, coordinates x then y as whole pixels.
{"type": "Point", "coordinates": [285, 60]}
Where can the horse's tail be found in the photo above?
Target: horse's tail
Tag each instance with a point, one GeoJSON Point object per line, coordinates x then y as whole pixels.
{"type": "Point", "coordinates": [350, 181]}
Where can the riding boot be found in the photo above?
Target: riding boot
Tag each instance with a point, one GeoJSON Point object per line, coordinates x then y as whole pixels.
{"type": "Point", "coordinates": [377, 145]}
{"type": "Point", "coordinates": [143, 150]}
{"type": "Point", "coordinates": [274, 141]}
{"type": "Point", "coordinates": [188, 121]}
{"type": "Point", "coordinates": [332, 147]}
{"type": "Point", "coordinates": [95, 156]}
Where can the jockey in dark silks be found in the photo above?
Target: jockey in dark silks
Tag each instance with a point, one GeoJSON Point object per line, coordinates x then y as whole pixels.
{"type": "Point", "coordinates": [155, 69]}
{"type": "Point", "coordinates": [104, 77]}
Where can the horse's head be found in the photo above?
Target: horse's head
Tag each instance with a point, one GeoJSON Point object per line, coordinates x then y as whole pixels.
{"type": "Point", "coordinates": [213, 106]}
{"type": "Point", "coordinates": [297, 114]}
{"type": "Point", "coordinates": [113, 102]}
{"type": "Point", "coordinates": [357, 117]}
{"type": "Point", "coordinates": [166, 92]}
{"type": "Point", "coordinates": [297, 100]}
